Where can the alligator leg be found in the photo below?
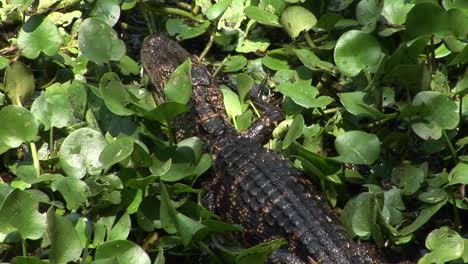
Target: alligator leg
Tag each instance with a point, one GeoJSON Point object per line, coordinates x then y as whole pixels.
{"type": "Point", "coordinates": [272, 115]}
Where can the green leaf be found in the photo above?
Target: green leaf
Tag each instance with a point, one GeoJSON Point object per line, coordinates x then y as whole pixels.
{"type": "Point", "coordinates": [424, 215]}
{"type": "Point", "coordinates": [106, 10]}
{"type": "Point", "coordinates": [121, 229]}
{"type": "Point", "coordinates": [233, 16]}
{"type": "Point", "coordinates": [22, 126]}
{"type": "Point", "coordinates": [360, 103]}
{"type": "Point", "coordinates": [232, 103]}
{"type": "Point", "coordinates": [393, 206]}
{"type": "Point", "coordinates": [445, 245]}
{"type": "Point", "coordinates": [181, 29]}
{"type": "Point", "coordinates": [262, 16]}
{"type": "Point", "coordinates": [360, 214]}
{"type": "Point", "coordinates": [294, 131]}
{"type": "Point", "coordinates": [187, 228]}
{"type": "Point", "coordinates": [28, 260]}
{"type": "Point", "coordinates": [65, 245]}
{"type": "Point", "coordinates": [433, 195]}
{"type": "Point", "coordinates": [19, 83]}
{"type": "Point", "coordinates": [260, 252]}
{"type": "Point", "coordinates": [115, 95]}
{"type": "Point", "coordinates": [117, 151]}
{"type": "Point", "coordinates": [304, 94]}
{"type": "Point", "coordinates": [235, 63]}
{"type": "Point", "coordinates": [436, 112]}
{"type": "Point", "coordinates": [53, 111]}
{"type": "Point", "coordinates": [356, 51]}
{"type": "Point", "coordinates": [124, 251]}
{"type": "Point", "coordinates": [166, 112]}
{"type": "Point", "coordinates": [128, 66]}
{"type": "Point", "coordinates": [39, 34]}
{"type": "Point", "coordinates": [99, 42]}
{"type": "Point", "coordinates": [409, 178]}
{"type": "Point", "coordinates": [357, 147]}
{"type": "Point", "coordinates": [19, 211]}
{"type": "Point", "coordinates": [80, 152]}
{"type": "Point", "coordinates": [73, 190]}
{"type": "Point", "coordinates": [217, 9]}
{"type": "Point", "coordinates": [296, 19]}
{"type": "Point", "coordinates": [459, 174]}
{"type": "Point", "coordinates": [179, 85]}
{"type": "Point", "coordinates": [418, 23]}
{"type": "Point", "coordinates": [313, 62]}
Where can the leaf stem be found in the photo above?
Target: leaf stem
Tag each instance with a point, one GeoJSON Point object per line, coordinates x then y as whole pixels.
{"type": "Point", "coordinates": [331, 110]}
{"type": "Point", "coordinates": [35, 158]}
{"type": "Point", "coordinates": [450, 145]}
{"type": "Point", "coordinates": [51, 140]}
{"type": "Point", "coordinates": [218, 69]}
{"type": "Point", "coordinates": [309, 40]}
{"type": "Point", "coordinates": [207, 47]}
{"type": "Point", "coordinates": [170, 11]}
{"type": "Point", "coordinates": [23, 247]}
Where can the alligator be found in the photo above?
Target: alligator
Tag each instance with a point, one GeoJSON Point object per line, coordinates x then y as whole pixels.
{"type": "Point", "coordinates": [253, 186]}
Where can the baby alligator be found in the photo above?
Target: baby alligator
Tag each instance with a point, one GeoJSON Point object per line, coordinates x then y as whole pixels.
{"type": "Point", "coordinates": [253, 186]}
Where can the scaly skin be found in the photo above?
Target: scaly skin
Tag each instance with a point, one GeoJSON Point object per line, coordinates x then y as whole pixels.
{"type": "Point", "coordinates": [253, 186]}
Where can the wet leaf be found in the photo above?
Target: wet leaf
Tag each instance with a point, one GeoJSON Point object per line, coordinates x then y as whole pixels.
{"type": "Point", "coordinates": [19, 83]}
{"type": "Point", "coordinates": [38, 35]}
{"type": "Point", "coordinates": [296, 19]}
{"type": "Point", "coordinates": [99, 42]}
{"type": "Point", "coordinates": [357, 147]}
{"type": "Point", "coordinates": [22, 126]}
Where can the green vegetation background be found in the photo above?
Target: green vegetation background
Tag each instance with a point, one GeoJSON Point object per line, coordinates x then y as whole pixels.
{"type": "Point", "coordinates": [375, 94]}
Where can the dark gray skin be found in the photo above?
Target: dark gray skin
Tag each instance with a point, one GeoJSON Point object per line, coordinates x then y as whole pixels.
{"type": "Point", "coordinates": [253, 186]}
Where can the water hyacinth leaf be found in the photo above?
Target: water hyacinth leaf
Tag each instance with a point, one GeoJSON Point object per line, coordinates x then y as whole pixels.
{"type": "Point", "coordinates": [409, 178]}
{"type": "Point", "coordinates": [356, 51]}
{"type": "Point", "coordinates": [217, 9]}
{"type": "Point", "coordinates": [445, 245]}
{"type": "Point", "coordinates": [367, 12]}
{"type": "Point", "coordinates": [167, 212]}
{"type": "Point", "coordinates": [73, 190]}
{"type": "Point", "coordinates": [304, 95]}
{"type": "Point", "coordinates": [424, 215]}
{"type": "Point", "coordinates": [313, 62]}
{"type": "Point", "coordinates": [458, 23]}
{"type": "Point", "coordinates": [80, 152]}
{"type": "Point", "coordinates": [235, 63]}
{"type": "Point", "coordinates": [183, 30]}
{"type": "Point", "coordinates": [262, 16]}
{"type": "Point", "coordinates": [22, 126]}
{"type": "Point", "coordinates": [338, 5]}
{"type": "Point", "coordinates": [19, 83]}
{"type": "Point", "coordinates": [393, 206]}
{"type": "Point", "coordinates": [187, 228]}
{"type": "Point", "coordinates": [360, 214]}
{"type": "Point", "coordinates": [357, 147]}
{"type": "Point", "coordinates": [65, 245]}
{"type": "Point", "coordinates": [128, 66]}
{"type": "Point", "coordinates": [418, 23]}
{"type": "Point", "coordinates": [179, 86]}
{"type": "Point", "coordinates": [360, 103]}
{"type": "Point", "coordinates": [19, 211]}
{"type": "Point", "coordinates": [244, 84]}
{"type": "Point", "coordinates": [294, 131]}
{"type": "Point", "coordinates": [116, 151]}
{"type": "Point", "coordinates": [433, 195]}
{"type": "Point", "coordinates": [99, 42]}
{"type": "Point", "coordinates": [53, 110]}
{"type": "Point", "coordinates": [28, 260]}
{"type": "Point", "coordinates": [325, 166]}
{"type": "Point", "coordinates": [39, 34]}
{"type": "Point", "coordinates": [122, 251]}
{"type": "Point", "coordinates": [115, 95]}
{"type": "Point", "coordinates": [231, 102]}
{"type": "Point", "coordinates": [166, 112]}
{"type": "Point", "coordinates": [296, 19]}
{"type": "Point", "coordinates": [233, 16]}
{"type": "Point", "coordinates": [260, 252]}
{"type": "Point", "coordinates": [121, 229]}
{"type": "Point", "coordinates": [106, 10]}
{"type": "Point", "coordinates": [459, 174]}
{"type": "Point", "coordinates": [437, 112]}
{"type": "Point", "coordinates": [395, 11]}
